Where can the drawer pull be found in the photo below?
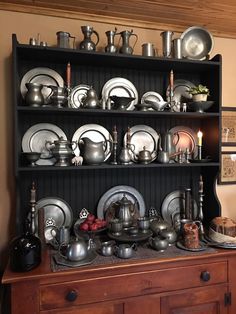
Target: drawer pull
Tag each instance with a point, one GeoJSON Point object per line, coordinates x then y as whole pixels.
{"type": "Point", "coordinates": [71, 296]}
{"type": "Point", "coordinates": [205, 276]}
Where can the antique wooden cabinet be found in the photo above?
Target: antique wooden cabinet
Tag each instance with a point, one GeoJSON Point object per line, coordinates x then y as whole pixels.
{"type": "Point", "coordinates": [169, 285]}
{"type": "Point", "coordinates": [201, 284]}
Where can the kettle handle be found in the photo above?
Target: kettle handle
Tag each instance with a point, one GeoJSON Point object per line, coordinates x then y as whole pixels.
{"type": "Point", "coordinates": [59, 250]}
{"type": "Point", "coordinates": [176, 134]}
{"type": "Point", "coordinates": [135, 39]}
{"type": "Point", "coordinates": [96, 33]}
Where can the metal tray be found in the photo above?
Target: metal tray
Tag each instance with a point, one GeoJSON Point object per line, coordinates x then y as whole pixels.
{"type": "Point", "coordinates": [125, 237]}
{"type": "Point", "coordinates": [202, 247]}
{"type": "Point", "coordinates": [86, 261]}
{"type": "Point", "coordinates": [115, 194]}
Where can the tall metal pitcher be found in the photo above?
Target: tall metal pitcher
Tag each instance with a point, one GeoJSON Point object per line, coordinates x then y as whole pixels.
{"type": "Point", "coordinates": [87, 43]}
{"type": "Point", "coordinates": [125, 36]}
{"type": "Point", "coordinates": [111, 41]}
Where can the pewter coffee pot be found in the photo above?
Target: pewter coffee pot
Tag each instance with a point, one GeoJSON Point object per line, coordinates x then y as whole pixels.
{"type": "Point", "coordinates": [168, 143]}
{"type": "Point", "coordinates": [63, 40]}
{"type": "Point", "coordinates": [125, 36]}
{"type": "Point", "coordinates": [87, 43]}
{"type": "Point", "coordinates": [125, 211]}
{"type": "Point", "coordinates": [111, 41]}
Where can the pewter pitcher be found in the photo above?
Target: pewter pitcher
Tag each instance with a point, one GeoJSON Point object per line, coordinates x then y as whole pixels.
{"type": "Point", "coordinates": [125, 36]}
{"type": "Point", "coordinates": [87, 43]}
{"type": "Point", "coordinates": [111, 41]}
{"type": "Point", "coordinates": [92, 152]}
{"type": "Point", "coordinates": [168, 143]}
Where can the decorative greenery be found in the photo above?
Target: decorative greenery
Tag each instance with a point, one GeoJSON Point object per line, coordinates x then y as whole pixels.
{"type": "Point", "coordinates": [200, 89]}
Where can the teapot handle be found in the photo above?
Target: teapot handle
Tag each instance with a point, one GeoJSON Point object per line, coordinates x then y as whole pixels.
{"type": "Point", "coordinates": [176, 135]}
{"type": "Point", "coordinates": [134, 246]}
{"type": "Point", "coordinates": [96, 33]}
{"type": "Point", "coordinates": [48, 145]}
{"type": "Point", "coordinates": [59, 250]}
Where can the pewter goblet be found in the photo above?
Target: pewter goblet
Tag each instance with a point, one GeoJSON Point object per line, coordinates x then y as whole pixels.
{"type": "Point", "coordinates": [143, 223]}
{"type": "Point", "coordinates": [32, 157]}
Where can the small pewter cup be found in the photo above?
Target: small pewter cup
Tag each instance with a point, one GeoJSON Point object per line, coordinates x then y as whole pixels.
{"type": "Point", "coordinates": [116, 226]}
{"type": "Point", "coordinates": [143, 223]}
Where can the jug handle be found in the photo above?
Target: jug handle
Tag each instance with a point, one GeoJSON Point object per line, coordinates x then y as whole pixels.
{"type": "Point", "coordinates": [74, 143]}
{"type": "Point", "coordinates": [105, 145]}
{"type": "Point", "coordinates": [135, 40]}
{"type": "Point", "coordinates": [96, 33]}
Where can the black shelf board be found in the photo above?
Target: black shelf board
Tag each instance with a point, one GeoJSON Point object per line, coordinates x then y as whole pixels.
{"type": "Point", "coordinates": [76, 56]}
{"type": "Point", "coordinates": [109, 166]}
{"type": "Point", "coordinates": [101, 112]}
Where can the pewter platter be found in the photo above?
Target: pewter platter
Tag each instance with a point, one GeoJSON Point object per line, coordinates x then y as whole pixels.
{"type": "Point", "coordinates": [60, 260]}
{"type": "Point", "coordinates": [180, 91]}
{"type": "Point", "coordinates": [197, 43]}
{"type": "Point", "coordinates": [114, 195]}
{"type": "Point", "coordinates": [121, 87]}
{"type": "Point", "coordinates": [77, 95]}
{"type": "Point", "coordinates": [187, 139]}
{"type": "Point", "coordinates": [36, 136]}
{"type": "Point", "coordinates": [126, 237]}
{"type": "Point", "coordinates": [95, 133]}
{"type": "Point", "coordinates": [172, 205]}
{"type": "Point", "coordinates": [44, 76]}
{"type": "Point", "coordinates": [143, 135]}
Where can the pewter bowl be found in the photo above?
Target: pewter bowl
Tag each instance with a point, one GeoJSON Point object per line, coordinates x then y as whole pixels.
{"type": "Point", "coordinates": [200, 106]}
{"type": "Point", "coordinates": [197, 43]}
{"type": "Point", "coordinates": [121, 102]}
{"type": "Point", "coordinates": [32, 157]}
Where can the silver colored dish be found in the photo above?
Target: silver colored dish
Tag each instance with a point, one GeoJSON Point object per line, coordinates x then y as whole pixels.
{"type": "Point", "coordinates": [36, 136]}
{"type": "Point", "coordinates": [44, 76]}
{"type": "Point", "coordinates": [77, 94]}
{"type": "Point", "coordinates": [197, 43]}
{"type": "Point", "coordinates": [143, 135]}
{"type": "Point", "coordinates": [121, 87]}
{"type": "Point", "coordinates": [202, 247]}
{"type": "Point", "coordinates": [57, 213]}
{"type": "Point", "coordinates": [172, 205]}
{"type": "Point", "coordinates": [187, 139]}
{"type": "Point", "coordinates": [114, 195]}
{"type": "Point", "coordinates": [180, 91]}
{"type": "Point", "coordinates": [95, 133]}
{"type": "Point", "coordinates": [126, 237]}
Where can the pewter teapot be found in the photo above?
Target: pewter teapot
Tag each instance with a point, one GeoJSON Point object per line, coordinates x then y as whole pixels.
{"type": "Point", "coordinates": [77, 250]}
{"type": "Point", "coordinates": [125, 208]}
{"type": "Point", "coordinates": [144, 156]}
{"type": "Point", "coordinates": [61, 150]}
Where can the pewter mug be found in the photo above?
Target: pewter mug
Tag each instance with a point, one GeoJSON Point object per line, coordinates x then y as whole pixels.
{"type": "Point", "coordinates": [87, 43]}
{"type": "Point", "coordinates": [63, 40]}
{"type": "Point", "coordinates": [126, 48]}
{"type": "Point", "coordinates": [148, 50]}
{"type": "Point", "coordinates": [167, 43]}
{"type": "Point", "coordinates": [115, 226]}
{"type": "Point", "coordinates": [34, 96]}
{"type": "Point", "coordinates": [143, 223]}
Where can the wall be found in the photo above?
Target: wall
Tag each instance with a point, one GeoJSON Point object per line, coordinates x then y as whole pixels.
{"type": "Point", "coordinates": [28, 25]}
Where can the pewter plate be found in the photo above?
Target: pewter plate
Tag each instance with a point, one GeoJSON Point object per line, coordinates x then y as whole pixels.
{"type": "Point", "coordinates": [143, 135]}
{"type": "Point", "coordinates": [95, 133]}
{"type": "Point", "coordinates": [44, 76]}
{"type": "Point", "coordinates": [173, 204]}
{"type": "Point", "coordinates": [86, 261]}
{"type": "Point", "coordinates": [36, 136]}
{"type": "Point", "coordinates": [115, 194]}
{"type": "Point", "coordinates": [77, 95]}
{"type": "Point", "coordinates": [180, 91]}
{"type": "Point", "coordinates": [187, 139]}
{"type": "Point", "coordinates": [122, 87]}
{"type": "Point", "coordinates": [197, 43]}
{"type": "Point", "coordinates": [125, 237]}
{"type": "Point", "coordinates": [202, 247]}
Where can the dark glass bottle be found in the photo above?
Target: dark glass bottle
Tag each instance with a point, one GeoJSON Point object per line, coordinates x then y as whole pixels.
{"type": "Point", "coordinates": [25, 252]}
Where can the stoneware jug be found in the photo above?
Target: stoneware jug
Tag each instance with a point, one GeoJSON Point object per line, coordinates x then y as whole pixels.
{"type": "Point", "coordinates": [87, 43]}
{"type": "Point", "coordinates": [125, 36]}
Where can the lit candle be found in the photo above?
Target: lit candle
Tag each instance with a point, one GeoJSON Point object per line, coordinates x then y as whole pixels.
{"type": "Point", "coordinates": [171, 83]}
{"type": "Point", "coordinates": [33, 193]}
{"type": "Point", "coordinates": [199, 135]}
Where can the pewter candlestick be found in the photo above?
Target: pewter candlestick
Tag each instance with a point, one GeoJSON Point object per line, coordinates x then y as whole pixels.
{"type": "Point", "coordinates": [33, 208]}
{"type": "Point", "coordinates": [200, 210]}
{"type": "Point", "coordinates": [114, 153]}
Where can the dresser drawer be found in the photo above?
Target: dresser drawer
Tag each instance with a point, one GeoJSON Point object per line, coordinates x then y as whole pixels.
{"type": "Point", "coordinates": [131, 284]}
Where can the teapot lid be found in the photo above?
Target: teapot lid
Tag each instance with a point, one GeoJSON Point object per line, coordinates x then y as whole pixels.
{"type": "Point", "coordinates": [125, 201]}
